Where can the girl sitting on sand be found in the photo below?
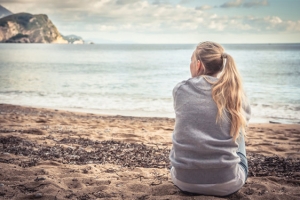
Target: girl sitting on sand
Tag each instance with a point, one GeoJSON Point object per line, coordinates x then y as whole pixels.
{"type": "Point", "coordinates": [208, 155]}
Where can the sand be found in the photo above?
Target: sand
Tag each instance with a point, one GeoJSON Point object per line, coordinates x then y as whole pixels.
{"type": "Point", "coordinates": [54, 154]}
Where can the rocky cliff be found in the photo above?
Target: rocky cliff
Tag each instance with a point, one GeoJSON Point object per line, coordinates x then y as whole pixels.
{"type": "Point", "coordinates": [28, 28]}
{"type": "Point", "coordinates": [4, 12]}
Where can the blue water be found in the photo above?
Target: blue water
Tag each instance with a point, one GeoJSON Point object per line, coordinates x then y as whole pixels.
{"type": "Point", "coordinates": [138, 79]}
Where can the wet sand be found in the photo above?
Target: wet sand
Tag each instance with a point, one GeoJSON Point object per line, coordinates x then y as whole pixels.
{"type": "Point", "coordinates": [53, 154]}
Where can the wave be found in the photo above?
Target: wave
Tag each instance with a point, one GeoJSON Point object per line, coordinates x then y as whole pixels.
{"type": "Point", "coordinates": [134, 103]}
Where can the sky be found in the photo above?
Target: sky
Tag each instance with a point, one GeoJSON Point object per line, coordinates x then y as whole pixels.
{"type": "Point", "coordinates": [170, 21]}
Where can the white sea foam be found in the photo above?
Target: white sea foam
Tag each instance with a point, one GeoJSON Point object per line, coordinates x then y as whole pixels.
{"type": "Point", "coordinates": [138, 79]}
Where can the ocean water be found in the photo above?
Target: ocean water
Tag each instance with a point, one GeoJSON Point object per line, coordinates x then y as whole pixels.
{"type": "Point", "coordinates": [138, 79]}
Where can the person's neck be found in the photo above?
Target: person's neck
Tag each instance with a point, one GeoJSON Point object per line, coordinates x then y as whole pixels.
{"type": "Point", "coordinates": [213, 75]}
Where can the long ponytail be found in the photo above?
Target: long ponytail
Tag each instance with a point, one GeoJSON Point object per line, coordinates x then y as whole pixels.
{"type": "Point", "coordinates": [227, 92]}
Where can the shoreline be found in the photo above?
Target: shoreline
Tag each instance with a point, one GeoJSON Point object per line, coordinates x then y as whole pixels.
{"type": "Point", "coordinates": [149, 114]}
{"type": "Point", "coordinates": [57, 154]}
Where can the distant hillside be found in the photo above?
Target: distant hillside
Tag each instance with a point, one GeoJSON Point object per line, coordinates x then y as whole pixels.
{"type": "Point", "coordinates": [28, 28]}
{"type": "Point", "coordinates": [4, 12]}
{"type": "Point", "coordinates": [74, 39]}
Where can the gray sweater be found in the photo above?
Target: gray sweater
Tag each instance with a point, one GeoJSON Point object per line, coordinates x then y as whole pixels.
{"type": "Point", "coordinates": [203, 152]}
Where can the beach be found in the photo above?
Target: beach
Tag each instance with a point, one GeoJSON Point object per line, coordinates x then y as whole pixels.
{"type": "Point", "coordinates": [59, 154]}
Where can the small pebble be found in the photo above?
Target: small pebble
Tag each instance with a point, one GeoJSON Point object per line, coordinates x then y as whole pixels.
{"type": "Point", "coordinates": [38, 195]}
{"type": "Point", "coordinates": [1, 185]}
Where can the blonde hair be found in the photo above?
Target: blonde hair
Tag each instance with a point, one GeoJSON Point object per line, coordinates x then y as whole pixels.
{"type": "Point", "coordinates": [227, 92]}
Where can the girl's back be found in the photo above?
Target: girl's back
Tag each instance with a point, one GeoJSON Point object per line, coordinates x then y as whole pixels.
{"type": "Point", "coordinates": [204, 150]}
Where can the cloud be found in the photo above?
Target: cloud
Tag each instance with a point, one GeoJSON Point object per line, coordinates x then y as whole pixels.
{"type": "Point", "coordinates": [246, 4]}
{"type": "Point", "coordinates": [272, 24]}
{"type": "Point", "coordinates": [204, 7]}
{"type": "Point", "coordinates": [256, 3]}
{"type": "Point", "coordinates": [230, 4]}
{"type": "Point", "coordinates": [158, 2]}
{"type": "Point", "coordinates": [124, 2]}
{"type": "Point", "coordinates": [185, 1]}
{"type": "Point", "coordinates": [132, 16]}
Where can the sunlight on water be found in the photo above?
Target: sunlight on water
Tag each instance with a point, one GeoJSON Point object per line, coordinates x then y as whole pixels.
{"type": "Point", "coordinates": [138, 79]}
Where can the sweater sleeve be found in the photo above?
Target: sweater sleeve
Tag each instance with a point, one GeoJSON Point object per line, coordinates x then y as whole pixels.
{"type": "Point", "coordinates": [247, 110]}
{"type": "Point", "coordinates": [175, 92]}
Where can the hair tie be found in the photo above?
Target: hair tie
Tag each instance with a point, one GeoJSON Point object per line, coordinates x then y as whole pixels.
{"type": "Point", "coordinates": [224, 55]}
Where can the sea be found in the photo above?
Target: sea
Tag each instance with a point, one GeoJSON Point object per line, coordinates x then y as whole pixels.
{"type": "Point", "coordinates": [138, 79]}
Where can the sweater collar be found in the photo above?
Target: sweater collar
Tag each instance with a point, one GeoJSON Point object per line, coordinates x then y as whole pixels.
{"type": "Point", "coordinates": [202, 82]}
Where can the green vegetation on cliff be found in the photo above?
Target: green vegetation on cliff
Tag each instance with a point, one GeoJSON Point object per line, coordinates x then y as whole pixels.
{"type": "Point", "coordinates": [18, 36]}
{"type": "Point", "coordinates": [24, 19]}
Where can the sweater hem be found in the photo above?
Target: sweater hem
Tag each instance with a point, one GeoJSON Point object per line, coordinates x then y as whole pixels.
{"type": "Point", "coordinates": [206, 176]}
